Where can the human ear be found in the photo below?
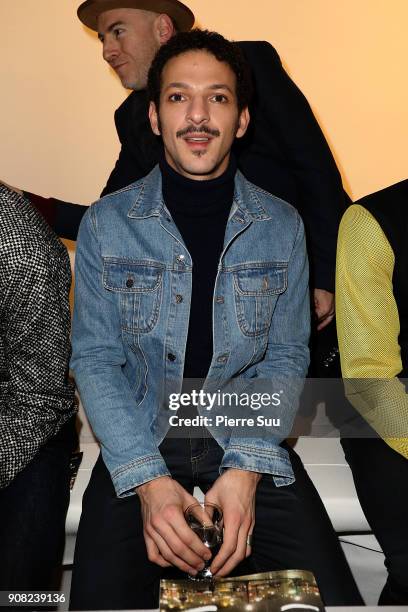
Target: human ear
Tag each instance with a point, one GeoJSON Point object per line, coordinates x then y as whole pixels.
{"type": "Point", "coordinates": [243, 122]}
{"type": "Point", "coordinates": [154, 118]}
{"type": "Point", "coordinates": [164, 29]}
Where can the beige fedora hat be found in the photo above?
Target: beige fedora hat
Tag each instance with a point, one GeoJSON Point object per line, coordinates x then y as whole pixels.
{"type": "Point", "coordinates": [89, 11]}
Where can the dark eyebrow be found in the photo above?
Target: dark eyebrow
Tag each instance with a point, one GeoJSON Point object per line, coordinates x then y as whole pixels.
{"type": "Point", "coordinates": [214, 87]}
{"type": "Point", "coordinates": [178, 85]}
{"type": "Point", "coordinates": [110, 28]}
{"type": "Point", "coordinates": [220, 86]}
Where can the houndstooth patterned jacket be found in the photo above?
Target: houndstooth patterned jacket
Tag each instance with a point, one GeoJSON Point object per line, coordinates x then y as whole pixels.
{"type": "Point", "coordinates": [36, 395]}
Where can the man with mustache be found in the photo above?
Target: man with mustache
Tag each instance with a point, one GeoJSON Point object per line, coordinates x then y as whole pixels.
{"type": "Point", "coordinates": [192, 273]}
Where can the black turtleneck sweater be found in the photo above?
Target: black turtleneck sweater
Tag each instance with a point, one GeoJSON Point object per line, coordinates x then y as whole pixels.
{"type": "Point", "coordinates": [200, 209]}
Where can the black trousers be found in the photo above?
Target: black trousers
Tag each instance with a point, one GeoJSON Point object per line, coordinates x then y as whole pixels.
{"type": "Point", "coordinates": [381, 478]}
{"type": "Point", "coordinates": [292, 530]}
{"type": "Point", "coordinates": [32, 518]}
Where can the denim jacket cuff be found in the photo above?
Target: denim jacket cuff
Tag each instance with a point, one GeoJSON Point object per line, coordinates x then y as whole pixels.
{"type": "Point", "coordinates": [127, 477]}
{"type": "Point", "coordinates": [264, 461]}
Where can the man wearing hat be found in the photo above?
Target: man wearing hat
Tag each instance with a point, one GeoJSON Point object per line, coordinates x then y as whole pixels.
{"type": "Point", "coordinates": [284, 152]}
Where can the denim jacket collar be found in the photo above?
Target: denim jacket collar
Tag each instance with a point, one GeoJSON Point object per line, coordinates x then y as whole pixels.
{"type": "Point", "coordinates": [247, 205]}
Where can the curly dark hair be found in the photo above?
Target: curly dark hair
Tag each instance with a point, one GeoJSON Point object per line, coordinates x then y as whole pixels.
{"type": "Point", "coordinates": [212, 42]}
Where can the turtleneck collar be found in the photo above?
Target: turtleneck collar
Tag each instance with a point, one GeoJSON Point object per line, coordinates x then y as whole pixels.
{"type": "Point", "coordinates": [197, 198]}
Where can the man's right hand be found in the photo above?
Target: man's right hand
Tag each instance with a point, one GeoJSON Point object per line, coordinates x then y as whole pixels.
{"type": "Point", "coordinates": [169, 540]}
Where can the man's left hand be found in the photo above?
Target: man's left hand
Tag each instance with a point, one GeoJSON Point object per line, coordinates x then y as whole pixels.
{"type": "Point", "coordinates": [234, 492]}
{"type": "Point", "coordinates": [324, 307]}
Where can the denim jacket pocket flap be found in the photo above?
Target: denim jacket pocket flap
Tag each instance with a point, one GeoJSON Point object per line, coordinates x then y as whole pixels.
{"type": "Point", "coordinates": [262, 279]}
{"type": "Point", "coordinates": [138, 284]}
{"type": "Point", "coordinates": [132, 277]}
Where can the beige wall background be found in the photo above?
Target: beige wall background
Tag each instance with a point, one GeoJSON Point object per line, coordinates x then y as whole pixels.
{"type": "Point", "coordinates": [349, 57]}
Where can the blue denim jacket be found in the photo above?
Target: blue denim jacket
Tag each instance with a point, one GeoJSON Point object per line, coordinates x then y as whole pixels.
{"type": "Point", "coordinates": [130, 325]}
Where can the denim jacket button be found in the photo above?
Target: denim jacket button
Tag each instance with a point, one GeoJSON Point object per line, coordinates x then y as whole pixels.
{"type": "Point", "coordinates": [171, 357]}
{"type": "Point", "coordinates": [179, 299]}
{"type": "Point", "coordinates": [180, 258]}
{"type": "Point", "coordinates": [129, 283]}
{"type": "Point", "coordinates": [222, 359]}
{"type": "Point", "coordinates": [219, 299]}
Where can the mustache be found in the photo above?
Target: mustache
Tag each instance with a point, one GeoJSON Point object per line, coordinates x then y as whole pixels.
{"type": "Point", "coordinates": [193, 130]}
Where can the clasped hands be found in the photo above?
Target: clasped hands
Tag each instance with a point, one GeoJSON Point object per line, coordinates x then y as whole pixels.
{"type": "Point", "coordinates": [170, 541]}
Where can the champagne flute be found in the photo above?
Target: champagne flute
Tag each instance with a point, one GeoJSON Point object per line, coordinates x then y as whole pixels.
{"type": "Point", "coordinates": [206, 520]}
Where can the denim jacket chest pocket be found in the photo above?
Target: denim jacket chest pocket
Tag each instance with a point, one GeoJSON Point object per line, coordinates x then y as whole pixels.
{"type": "Point", "coordinates": [139, 288]}
{"type": "Point", "coordinates": [256, 290]}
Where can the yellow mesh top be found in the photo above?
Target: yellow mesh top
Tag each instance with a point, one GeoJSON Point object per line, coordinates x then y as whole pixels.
{"type": "Point", "coordinates": [368, 327]}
